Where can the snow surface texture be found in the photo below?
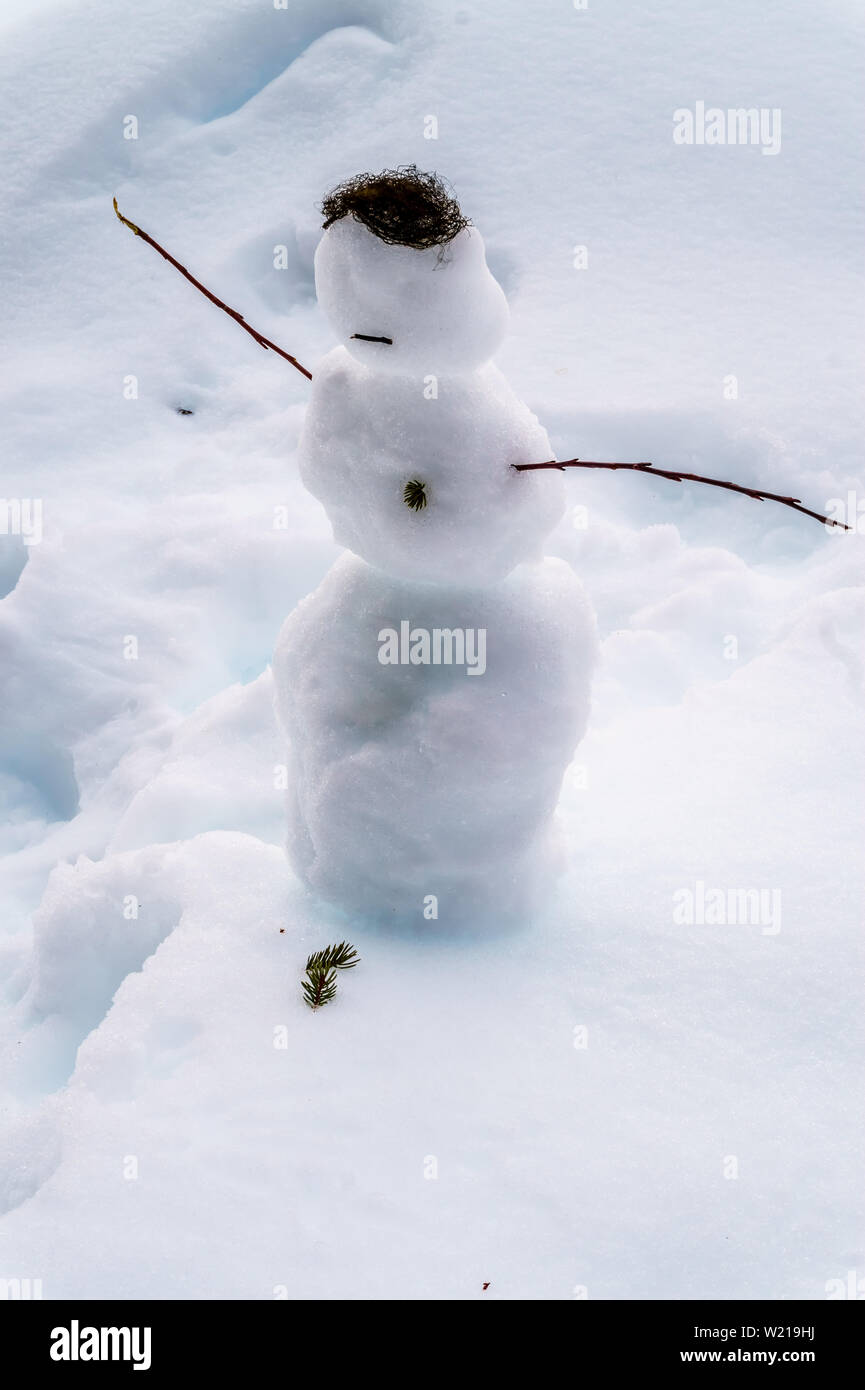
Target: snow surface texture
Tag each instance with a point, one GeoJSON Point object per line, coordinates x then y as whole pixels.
{"type": "Point", "coordinates": [443, 1123]}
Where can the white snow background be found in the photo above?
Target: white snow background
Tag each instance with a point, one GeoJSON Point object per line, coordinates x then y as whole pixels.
{"type": "Point", "coordinates": [440, 1124]}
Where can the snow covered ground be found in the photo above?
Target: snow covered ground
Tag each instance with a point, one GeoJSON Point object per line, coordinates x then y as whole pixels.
{"type": "Point", "coordinates": [611, 1099]}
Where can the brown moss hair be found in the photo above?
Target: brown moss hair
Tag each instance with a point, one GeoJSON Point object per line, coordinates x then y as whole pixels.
{"type": "Point", "coordinates": [403, 207]}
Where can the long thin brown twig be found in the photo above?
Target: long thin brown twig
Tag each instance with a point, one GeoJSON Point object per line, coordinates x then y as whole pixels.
{"type": "Point", "coordinates": [238, 318]}
{"type": "Point", "coordinates": [673, 476]}
{"type": "Point", "coordinates": [676, 477]}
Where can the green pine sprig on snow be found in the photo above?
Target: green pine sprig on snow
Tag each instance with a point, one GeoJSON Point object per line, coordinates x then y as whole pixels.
{"type": "Point", "coordinates": [414, 495]}
{"type": "Point", "coordinates": [319, 987]}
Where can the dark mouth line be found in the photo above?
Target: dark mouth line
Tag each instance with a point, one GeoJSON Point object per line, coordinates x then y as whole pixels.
{"type": "Point", "coordinates": [365, 338]}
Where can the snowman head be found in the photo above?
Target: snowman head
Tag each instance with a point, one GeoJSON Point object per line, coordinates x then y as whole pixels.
{"type": "Point", "coordinates": [403, 278]}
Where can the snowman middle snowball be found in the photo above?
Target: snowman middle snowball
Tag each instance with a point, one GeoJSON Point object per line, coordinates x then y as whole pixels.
{"type": "Point", "coordinates": [411, 782]}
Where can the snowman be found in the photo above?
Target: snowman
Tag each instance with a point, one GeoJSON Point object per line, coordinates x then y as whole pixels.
{"type": "Point", "coordinates": [433, 689]}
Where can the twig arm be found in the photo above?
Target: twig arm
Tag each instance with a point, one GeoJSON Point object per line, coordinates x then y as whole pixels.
{"type": "Point", "coordinates": [676, 477]}
{"type": "Point", "coordinates": [238, 318]}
